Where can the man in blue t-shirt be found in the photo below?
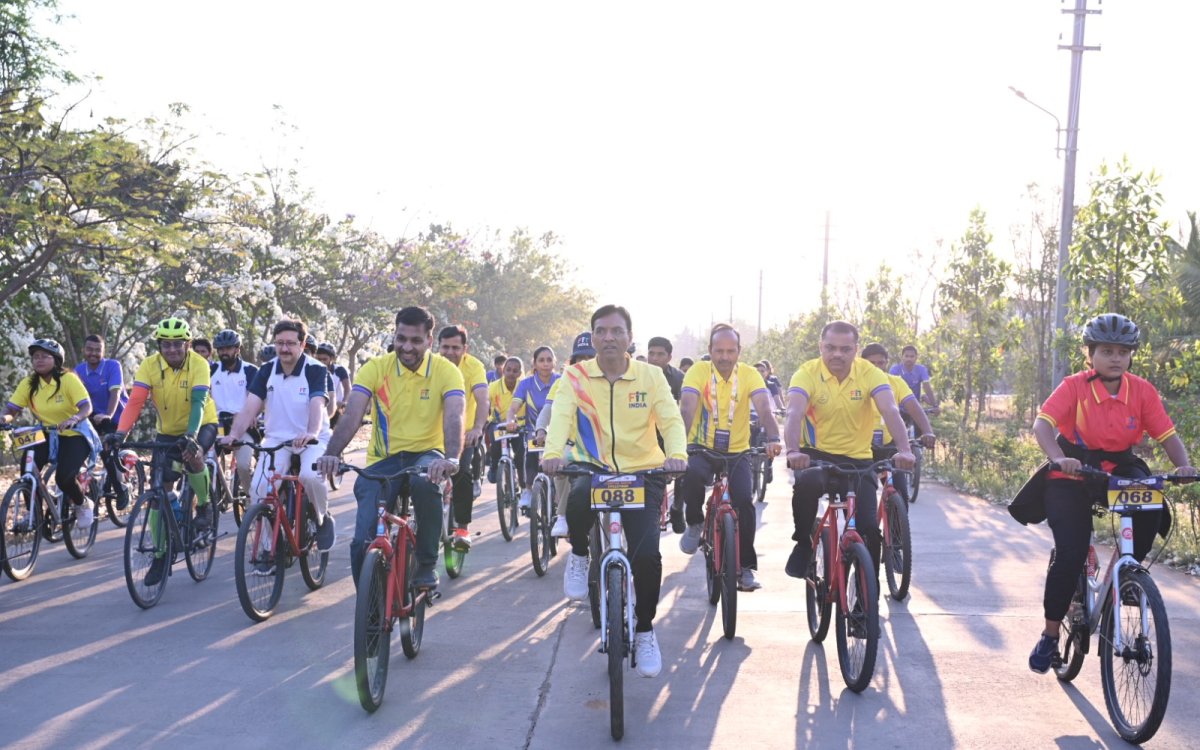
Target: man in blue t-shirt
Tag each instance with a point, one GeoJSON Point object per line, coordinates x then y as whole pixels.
{"type": "Point", "coordinates": [105, 386]}
{"type": "Point", "coordinates": [917, 376]}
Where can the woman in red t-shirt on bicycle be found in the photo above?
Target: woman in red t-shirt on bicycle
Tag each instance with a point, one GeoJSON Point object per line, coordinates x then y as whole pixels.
{"type": "Point", "coordinates": [1094, 418]}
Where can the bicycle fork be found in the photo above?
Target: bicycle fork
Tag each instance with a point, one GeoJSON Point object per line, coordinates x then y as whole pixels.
{"type": "Point", "coordinates": [615, 557]}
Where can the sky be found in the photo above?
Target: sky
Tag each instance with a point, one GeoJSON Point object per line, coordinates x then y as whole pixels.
{"type": "Point", "coordinates": [677, 148]}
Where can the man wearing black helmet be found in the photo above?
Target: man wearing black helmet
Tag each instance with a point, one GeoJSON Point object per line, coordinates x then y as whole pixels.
{"type": "Point", "coordinates": [310, 351]}
{"type": "Point", "coordinates": [327, 355]}
{"type": "Point", "coordinates": [1093, 418]}
{"type": "Point", "coordinates": [231, 379]}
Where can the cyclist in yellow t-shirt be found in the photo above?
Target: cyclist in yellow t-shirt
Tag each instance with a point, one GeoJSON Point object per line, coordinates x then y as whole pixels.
{"type": "Point", "coordinates": [830, 414]}
{"type": "Point", "coordinates": [581, 351]}
{"type": "Point", "coordinates": [177, 380]}
{"type": "Point", "coordinates": [58, 398]}
{"type": "Point", "coordinates": [877, 354]}
{"type": "Point", "coordinates": [500, 398]}
{"type": "Point", "coordinates": [452, 343]}
{"type": "Point", "coordinates": [418, 421]}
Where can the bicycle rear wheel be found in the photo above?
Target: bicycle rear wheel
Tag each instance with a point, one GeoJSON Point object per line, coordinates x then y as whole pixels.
{"type": "Point", "coordinates": [595, 550]}
{"type": "Point", "coordinates": [506, 500]}
{"type": "Point", "coordinates": [199, 547]}
{"type": "Point", "coordinates": [147, 540]}
{"type": "Point", "coordinates": [238, 493]}
{"type": "Point", "coordinates": [78, 540]}
{"type": "Point", "coordinates": [816, 591]}
{"type": "Point", "coordinates": [1137, 679]}
{"type": "Point", "coordinates": [257, 565]}
{"type": "Point", "coordinates": [858, 628]}
{"type": "Point", "coordinates": [617, 650]}
{"type": "Point", "coordinates": [729, 573]}
{"type": "Point", "coordinates": [372, 632]}
{"type": "Point", "coordinates": [897, 548]}
{"type": "Point", "coordinates": [540, 523]}
{"type": "Point", "coordinates": [413, 626]}
{"type": "Point", "coordinates": [20, 541]}
{"type": "Point", "coordinates": [313, 562]}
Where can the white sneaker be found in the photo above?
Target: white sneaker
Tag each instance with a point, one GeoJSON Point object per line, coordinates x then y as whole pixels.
{"type": "Point", "coordinates": [526, 497]}
{"type": "Point", "coordinates": [84, 517]}
{"type": "Point", "coordinates": [560, 527]}
{"type": "Point", "coordinates": [575, 583]}
{"type": "Point", "coordinates": [690, 541]}
{"type": "Point", "coordinates": [647, 655]}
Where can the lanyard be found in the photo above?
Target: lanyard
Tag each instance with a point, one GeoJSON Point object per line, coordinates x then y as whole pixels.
{"type": "Point", "coordinates": [733, 395]}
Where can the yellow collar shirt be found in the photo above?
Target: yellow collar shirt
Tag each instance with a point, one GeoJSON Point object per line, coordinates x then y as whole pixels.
{"type": "Point", "coordinates": [699, 380]}
{"type": "Point", "coordinates": [408, 404]}
{"type": "Point", "coordinates": [615, 425]}
{"type": "Point", "coordinates": [841, 416]}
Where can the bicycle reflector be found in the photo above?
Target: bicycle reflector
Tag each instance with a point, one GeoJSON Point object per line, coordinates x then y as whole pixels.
{"type": "Point", "coordinates": [129, 459]}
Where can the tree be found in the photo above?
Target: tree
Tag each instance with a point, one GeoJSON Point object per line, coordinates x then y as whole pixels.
{"type": "Point", "coordinates": [886, 313]}
{"type": "Point", "coordinates": [1035, 247]}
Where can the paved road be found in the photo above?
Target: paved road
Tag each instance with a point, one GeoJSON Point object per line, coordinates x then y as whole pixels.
{"type": "Point", "coordinates": [507, 663]}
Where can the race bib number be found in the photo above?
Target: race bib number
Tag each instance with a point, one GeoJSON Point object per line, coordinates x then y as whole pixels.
{"type": "Point", "coordinates": [22, 440]}
{"type": "Point", "coordinates": [534, 448]}
{"type": "Point", "coordinates": [1135, 494]}
{"type": "Point", "coordinates": [618, 492]}
{"type": "Point", "coordinates": [501, 434]}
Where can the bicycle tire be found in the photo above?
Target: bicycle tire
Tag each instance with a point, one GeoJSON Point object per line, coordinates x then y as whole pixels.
{"type": "Point", "coordinates": [1139, 661]}
{"type": "Point", "coordinates": [914, 482]}
{"type": "Point", "coordinates": [239, 498]}
{"type": "Point", "coordinates": [711, 559]}
{"type": "Point", "coordinates": [199, 547]}
{"type": "Point", "coordinates": [21, 540]}
{"type": "Point", "coordinates": [818, 605]}
{"type": "Point", "coordinates": [729, 574]}
{"type": "Point", "coordinates": [134, 489]}
{"type": "Point", "coordinates": [413, 626]}
{"type": "Point", "coordinates": [617, 649]}
{"type": "Point", "coordinates": [897, 549]}
{"type": "Point", "coordinates": [595, 550]}
{"type": "Point", "coordinates": [79, 541]}
{"type": "Point", "coordinates": [258, 591]}
{"type": "Point", "coordinates": [372, 632]}
{"type": "Point", "coordinates": [761, 479]}
{"type": "Point", "coordinates": [539, 527]}
{"type": "Point", "coordinates": [453, 558]}
{"type": "Point", "coordinates": [146, 521]}
{"type": "Point", "coordinates": [51, 531]}
{"type": "Point", "coordinates": [1073, 649]}
{"type": "Point", "coordinates": [506, 502]}
{"type": "Point", "coordinates": [857, 659]}
{"type": "Point", "coordinates": [313, 562]}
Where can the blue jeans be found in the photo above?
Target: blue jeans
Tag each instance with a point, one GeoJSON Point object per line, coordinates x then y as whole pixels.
{"type": "Point", "coordinates": [426, 503]}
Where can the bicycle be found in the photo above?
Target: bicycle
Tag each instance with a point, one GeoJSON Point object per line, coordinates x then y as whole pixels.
{"type": "Point", "coordinates": [506, 480]}
{"type": "Point", "coordinates": [386, 593]}
{"type": "Point", "coordinates": [613, 607]}
{"type": "Point", "coordinates": [162, 524]}
{"type": "Point", "coordinates": [1126, 609]}
{"type": "Point", "coordinates": [29, 512]}
{"type": "Point", "coordinates": [918, 451]}
{"type": "Point", "coordinates": [226, 488]}
{"type": "Point", "coordinates": [759, 463]}
{"type": "Point", "coordinates": [897, 538]}
{"type": "Point", "coordinates": [719, 538]}
{"type": "Point", "coordinates": [543, 507]}
{"type": "Point", "coordinates": [840, 571]}
{"type": "Point", "coordinates": [275, 533]}
{"type": "Point", "coordinates": [132, 473]}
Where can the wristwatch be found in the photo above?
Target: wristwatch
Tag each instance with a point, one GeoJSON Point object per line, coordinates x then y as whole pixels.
{"type": "Point", "coordinates": [451, 460]}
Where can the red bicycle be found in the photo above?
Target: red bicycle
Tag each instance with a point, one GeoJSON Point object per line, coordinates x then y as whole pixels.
{"type": "Point", "coordinates": [720, 540]}
{"type": "Point", "coordinates": [841, 572]}
{"type": "Point", "coordinates": [273, 534]}
{"type": "Point", "coordinates": [386, 592]}
{"type": "Point", "coordinates": [897, 541]}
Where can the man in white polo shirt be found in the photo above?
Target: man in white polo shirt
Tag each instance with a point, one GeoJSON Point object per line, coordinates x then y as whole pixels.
{"type": "Point", "coordinates": [231, 379]}
{"type": "Point", "coordinates": [293, 390]}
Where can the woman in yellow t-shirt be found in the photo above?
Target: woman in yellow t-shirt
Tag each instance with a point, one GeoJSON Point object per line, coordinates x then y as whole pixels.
{"type": "Point", "coordinates": [57, 398]}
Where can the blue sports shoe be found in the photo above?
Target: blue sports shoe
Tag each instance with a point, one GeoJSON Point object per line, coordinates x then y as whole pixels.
{"type": "Point", "coordinates": [1044, 654]}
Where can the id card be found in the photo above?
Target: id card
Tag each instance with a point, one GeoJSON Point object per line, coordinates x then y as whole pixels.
{"type": "Point", "coordinates": [1135, 494]}
{"type": "Point", "coordinates": [721, 441]}
{"type": "Point", "coordinates": [618, 492]}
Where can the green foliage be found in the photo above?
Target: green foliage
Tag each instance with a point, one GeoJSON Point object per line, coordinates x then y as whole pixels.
{"type": "Point", "coordinates": [887, 315]}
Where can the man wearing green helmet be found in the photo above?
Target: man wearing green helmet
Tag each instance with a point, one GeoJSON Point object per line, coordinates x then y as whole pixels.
{"type": "Point", "coordinates": [178, 381]}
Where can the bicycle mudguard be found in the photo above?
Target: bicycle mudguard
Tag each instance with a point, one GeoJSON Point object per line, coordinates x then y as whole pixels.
{"type": "Point", "coordinates": [1029, 506]}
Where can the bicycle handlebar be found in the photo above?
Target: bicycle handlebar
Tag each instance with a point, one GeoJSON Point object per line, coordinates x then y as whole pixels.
{"type": "Point", "coordinates": [578, 470]}
{"type": "Point", "coordinates": [380, 476]}
{"type": "Point", "coordinates": [257, 448]}
{"type": "Point", "coordinates": [1088, 471]}
{"type": "Point", "coordinates": [847, 471]}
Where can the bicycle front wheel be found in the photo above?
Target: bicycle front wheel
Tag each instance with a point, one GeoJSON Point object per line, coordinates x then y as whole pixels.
{"type": "Point", "coordinates": [372, 632]}
{"type": "Point", "coordinates": [617, 649]}
{"type": "Point", "coordinates": [914, 483]}
{"type": "Point", "coordinates": [313, 562]}
{"type": "Point", "coordinates": [257, 565]}
{"type": "Point", "coordinates": [540, 524]}
{"type": "Point", "coordinates": [816, 591]}
{"type": "Point", "coordinates": [1137, 678]}
{"type": "Point", "coordinates": [199, 547]}
{"type": "Point", "coordinates": [858, 628]}
{"type": "Point", "coordinates": [148, 553]}
{"type": "Point", "coordinates": [729, 575]}
{"type": "Point", "coordinates": [412, 627]}
{"type": "Point", "coordinates": [238, 493]}
{"type": "Point", "coordinates": [79, 540]}
{"type": "Point", "coordinates": [897, 547]}
{"type": "Point", "coordinates": [506, 500]}
{"type": "Point", "coordinates": [595, 550]}
{"type": "Point", "coordinates": [20, 542]}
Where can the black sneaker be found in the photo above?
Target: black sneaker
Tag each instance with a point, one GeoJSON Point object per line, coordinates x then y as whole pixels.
{"type": "Point", "coordinates": [797, 564]}
{"type": "Point", "coordinates": [677, 524]}
{"type": "Point", "coordinates": [491, 475]}
{"type": "Point", "coordinates": [265, 565]}
{"type": "Point", "coordinates": [203, 518]}
{"type": "Point", "coordinates": [1044, 654]}
{"type": "Point", "coordinates": [425, 577]}
{"type": "Point", "coordinates": [856, 622]}
{"type": "Point", "coordinates": [155, 574]}
{"type": "Point", "coordinates": [326, 534]}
